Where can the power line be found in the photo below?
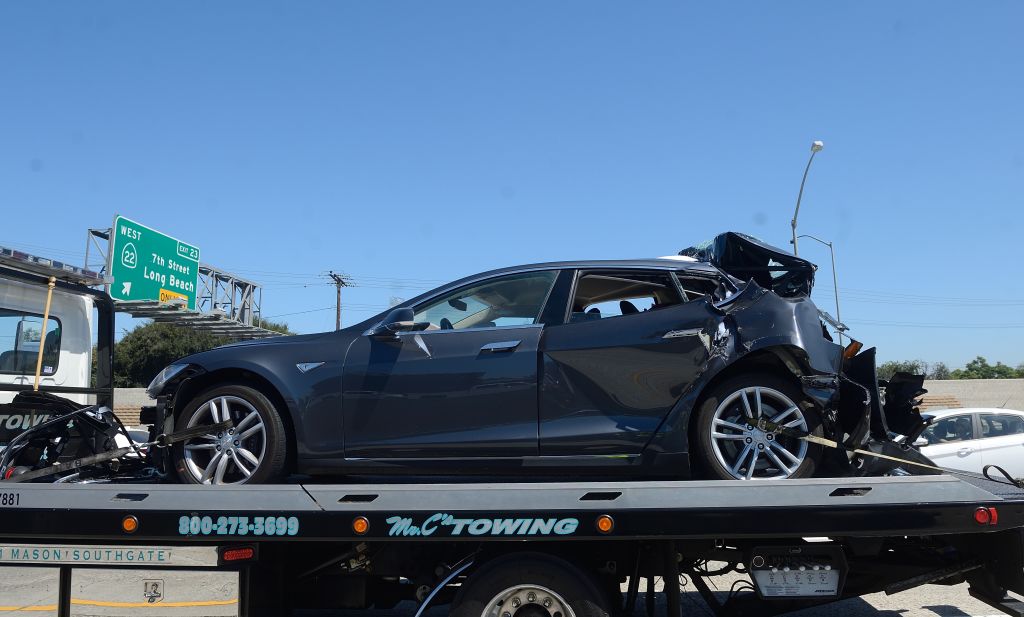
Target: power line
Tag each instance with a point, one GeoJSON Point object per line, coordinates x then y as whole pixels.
{"type": "Point", "coordinates": [317, 310]}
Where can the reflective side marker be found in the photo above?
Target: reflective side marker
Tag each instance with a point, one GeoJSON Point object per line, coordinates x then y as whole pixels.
{"type": "Point", "coordinates": [605, 523]}
{"type": "Point", "coordinates": [360, 525]}
{"type": "Point", "coordinates": [244, 553]}
{"type": "Point", "coordinates": [129, 524]}
{"type": "Point", "coordinates": [986, 516]}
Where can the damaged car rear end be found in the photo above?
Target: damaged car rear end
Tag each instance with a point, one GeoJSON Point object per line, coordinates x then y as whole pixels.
{"type": "Point", "coordinates": [777, 388]}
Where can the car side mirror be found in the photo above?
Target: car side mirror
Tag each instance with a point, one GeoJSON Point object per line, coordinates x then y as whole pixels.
{"type": "Point", "coordinates": [398, 320]}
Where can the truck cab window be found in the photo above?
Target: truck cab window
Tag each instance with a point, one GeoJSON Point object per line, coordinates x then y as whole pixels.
{"type": "Point", "coordinates": [21, 335]}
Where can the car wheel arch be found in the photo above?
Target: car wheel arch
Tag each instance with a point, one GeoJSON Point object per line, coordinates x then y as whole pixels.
{"type": "Point", "coordinates": [676, 434]}
{"type": "Point", "coordinates": [192, 387]}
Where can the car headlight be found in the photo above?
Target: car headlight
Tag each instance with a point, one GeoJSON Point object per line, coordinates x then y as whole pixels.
{"type": "Point", "coordinates": [161, 379]}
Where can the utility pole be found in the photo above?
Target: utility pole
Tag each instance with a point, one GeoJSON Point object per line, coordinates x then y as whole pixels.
{"type": "Point", "coordinates": [339, 281]}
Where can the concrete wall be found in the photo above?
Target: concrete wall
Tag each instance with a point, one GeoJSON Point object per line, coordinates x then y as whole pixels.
{"type": "Point", "coordinates": [128, 402]}
{"type": "Point", "coordinates": [1005, 393]}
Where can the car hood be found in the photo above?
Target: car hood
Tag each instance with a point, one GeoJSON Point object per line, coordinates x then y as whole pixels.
{"type": "Point", "coordinates": [745, 257]}
{"type": "Point", "coordinates": [242, 348]}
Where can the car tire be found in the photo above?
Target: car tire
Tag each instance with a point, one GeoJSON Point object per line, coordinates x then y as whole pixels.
{"type": "Point", "coordinates": [566, 589]}
{"type": "Point", "coordinates": [253, 451]}
{"type": "Point", "coordinates": [729, 448]}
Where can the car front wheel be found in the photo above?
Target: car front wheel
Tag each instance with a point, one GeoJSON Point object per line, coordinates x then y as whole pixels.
{"type": "Point", "coordinates": [732, 445]}
{"type": "Point", "coordinates": [251, 450]}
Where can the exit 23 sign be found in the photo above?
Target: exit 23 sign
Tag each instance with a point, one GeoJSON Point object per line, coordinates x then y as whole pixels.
{"type": "Point", "coordinates": [149, 265]}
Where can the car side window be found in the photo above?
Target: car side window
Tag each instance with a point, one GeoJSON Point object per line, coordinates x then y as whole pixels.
{"type": "Point", "coordinates": [949, 430]}
{"type": "Point", "coordinates": [999, 424]}
{"type": "Point", "coordinates": [696, 287]}
{"type": "Point", "coordinates": [513, 300]}
{"type": "Point", "coordinates": [604, 294]}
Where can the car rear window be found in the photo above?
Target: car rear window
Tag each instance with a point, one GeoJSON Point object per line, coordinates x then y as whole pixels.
{"type": "Point", "coordinates": [997, 425]}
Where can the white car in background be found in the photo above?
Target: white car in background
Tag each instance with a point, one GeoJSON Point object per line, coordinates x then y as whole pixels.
{"type": "Point", "coordinates": [969, 439]}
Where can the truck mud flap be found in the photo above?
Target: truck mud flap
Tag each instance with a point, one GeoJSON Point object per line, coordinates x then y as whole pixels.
{"type": "Point", "coordinates": [1003, 553]}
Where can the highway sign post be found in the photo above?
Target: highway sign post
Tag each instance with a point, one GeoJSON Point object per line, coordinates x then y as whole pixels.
{"type": "Point", "coordinates": [148, 265]}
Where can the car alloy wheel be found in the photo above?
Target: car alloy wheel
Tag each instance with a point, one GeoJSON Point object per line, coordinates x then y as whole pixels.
{"type": "Point", "coordinates": [527, 601]}
{"type": "Point", "coordinates": [228, 456]}
{"type": "Point", "coordinates": [746, 451]}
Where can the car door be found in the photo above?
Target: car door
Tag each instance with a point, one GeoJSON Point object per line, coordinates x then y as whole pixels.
{"type": "Point", "coordinates": [951, 443]}
{"type": "Point", "coordinates": [629, 347]}
{"type": "Point", "coordinates": [464, 387]}
{"type": "Point", "coordinates": [1002, 441]}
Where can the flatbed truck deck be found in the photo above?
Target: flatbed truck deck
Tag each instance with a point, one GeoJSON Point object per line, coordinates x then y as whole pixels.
{"type": "Point", "coordinates": [284, 547]}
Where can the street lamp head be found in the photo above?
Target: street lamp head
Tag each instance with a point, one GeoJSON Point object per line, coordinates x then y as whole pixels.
{"type": "Point", "coordinates": [817, 146]}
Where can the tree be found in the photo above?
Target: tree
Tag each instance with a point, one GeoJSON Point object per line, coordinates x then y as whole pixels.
{"type": "Point", "coordinates": [147, 349]}
{"type": "Point", "coordinates": [890, 368]}
{"type": "Point", "coordinates": [276, 326]}
{"type": "Point", "coordinates": [979, 368]}
{"type": "Point", "coordinates": [939, 371]}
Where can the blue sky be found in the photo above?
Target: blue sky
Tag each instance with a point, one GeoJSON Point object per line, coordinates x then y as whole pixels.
{"type": "Point", "coordinates": [410, 143]}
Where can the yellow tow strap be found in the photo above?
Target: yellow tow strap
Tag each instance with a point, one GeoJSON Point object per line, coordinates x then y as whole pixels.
{"type": "Point", "coordinates": [42, 342]}
{"type": "Point", "coordinates": [42, 336]}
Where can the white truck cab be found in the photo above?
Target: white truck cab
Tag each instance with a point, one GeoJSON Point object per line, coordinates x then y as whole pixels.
{"type": "Point", "coordinates": [77, 339]}
{"type": "Point", "coordinates": [67, 343]}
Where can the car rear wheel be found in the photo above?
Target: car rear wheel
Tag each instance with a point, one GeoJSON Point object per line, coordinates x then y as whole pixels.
{"type": "Point", "coordinates": [731, 444]}
{"type": "Point", "coordinates": [252, 450]}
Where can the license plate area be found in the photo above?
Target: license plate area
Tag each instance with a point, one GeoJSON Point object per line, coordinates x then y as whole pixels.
{"type": "Point", "coordinates": [798, 571]}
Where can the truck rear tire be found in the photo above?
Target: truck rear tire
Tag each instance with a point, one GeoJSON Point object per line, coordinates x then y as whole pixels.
{"type": "Point", "coordinates": [530, 585]}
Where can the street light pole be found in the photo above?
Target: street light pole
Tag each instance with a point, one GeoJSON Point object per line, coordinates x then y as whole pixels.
{"type": "Point", "coordinates": [816, 147]}
{"type": "Point", "coordinates": [835, 280]}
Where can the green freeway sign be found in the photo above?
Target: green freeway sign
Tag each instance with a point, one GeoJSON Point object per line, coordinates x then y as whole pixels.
{"type": "Point", "coordinates": [148, 265]}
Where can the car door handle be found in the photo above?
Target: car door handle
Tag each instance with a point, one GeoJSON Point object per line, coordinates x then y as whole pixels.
{"type": "Point", "coordinates": [964, 451]}
{"type": "Point", "coordinates": [500, 346]}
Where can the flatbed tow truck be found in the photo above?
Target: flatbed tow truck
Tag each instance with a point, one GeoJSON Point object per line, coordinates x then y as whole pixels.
{"type": "Point", "coordinates": [503, 549]}
{"type": "Point", "coordinates": [111, 546]}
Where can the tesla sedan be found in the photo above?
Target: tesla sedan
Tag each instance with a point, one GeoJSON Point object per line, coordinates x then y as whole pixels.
{"type": "Point", "coordinates": [714, 362]}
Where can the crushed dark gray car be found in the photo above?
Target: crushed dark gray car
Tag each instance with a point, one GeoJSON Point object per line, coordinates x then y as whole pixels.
{"type": "Point", "coordinates": [713, 363]}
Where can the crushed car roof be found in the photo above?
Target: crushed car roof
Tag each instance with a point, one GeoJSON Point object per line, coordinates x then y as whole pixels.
{"type": "Point", "coordinates": [746, 258]}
